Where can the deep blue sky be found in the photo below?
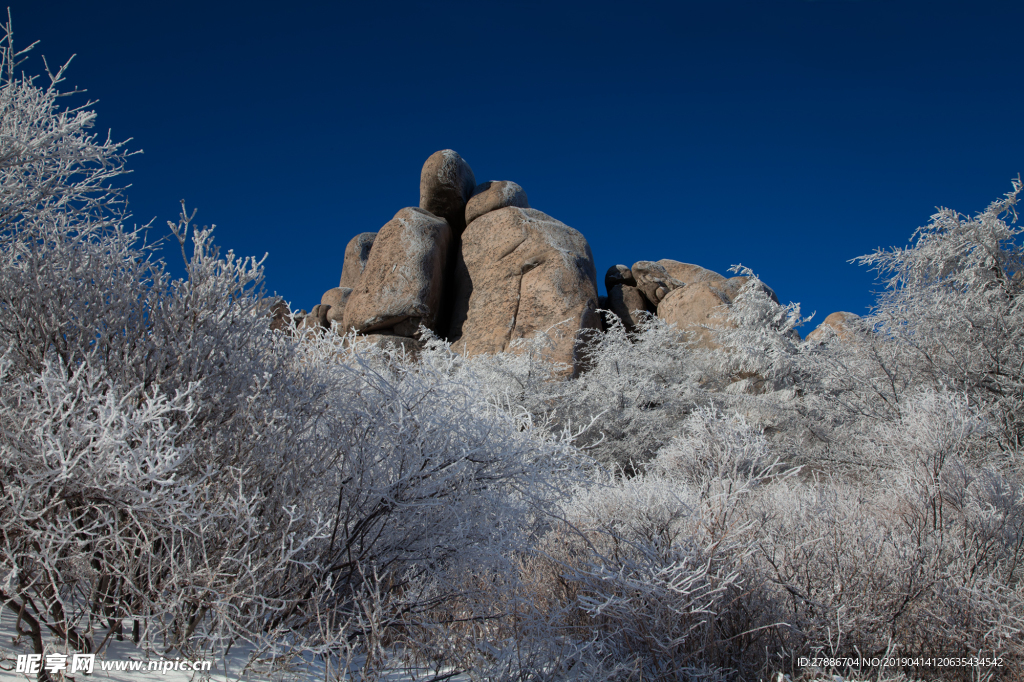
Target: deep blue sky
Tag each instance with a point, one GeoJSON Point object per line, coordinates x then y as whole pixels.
{"type": "Point", "coordinates": [787, 135]}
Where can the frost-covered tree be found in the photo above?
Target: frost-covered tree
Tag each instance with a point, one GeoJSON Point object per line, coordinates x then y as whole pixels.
{"type": "Point", "coordinates": [169, 461]}
{"type": "Point", "coordinates": [171, 465]}
{"type": "Point", "coordinates": [953, 301]}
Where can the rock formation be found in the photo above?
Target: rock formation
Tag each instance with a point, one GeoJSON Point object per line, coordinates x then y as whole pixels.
{"type": "Point", "coordinates": [688, 274]}
{"type": "Point", "coordinates": [699, 306]}
{"type": "Point", "coordinates": [519, 273]}
{"type": "Point", "coordinates": [480, 268]}
{"type": "Point", "coordinates": [446, 184]}
{"type": "Point", "coordinates": [336, 299]}
{"type": "Point", "coordinates": [401, 285]}
{"type": "Point", "coordinates": [618, 274]}
{"type": "Point", "coordinates": [490, 196]}
{"type": "Point", "coordinates": [280, 316]}
{"type": "Point", "coordinates": [695, 307]}
{"type": "Point", "coordinates": [356, 254]}
{"type": "Point", "coordinates": [841, 324]}
{"type": "Point", "coordinates": [653, 280]}
{"type": "Point", "coordinates": [628, 304]}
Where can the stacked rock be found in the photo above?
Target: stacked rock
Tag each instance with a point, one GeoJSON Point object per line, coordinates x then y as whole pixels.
{"type": "Point", "coordinates": [476, 265]}
{"type": "Point", "coordinates": [841, 326]}
{"type": "Point", "coordinates": [473, 263]}
{"type": "Point", "coordinates": [689, 296]}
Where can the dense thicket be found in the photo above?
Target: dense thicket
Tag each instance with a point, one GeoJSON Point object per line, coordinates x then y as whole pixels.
{"type": "Point", "coordinates": [171, 466]}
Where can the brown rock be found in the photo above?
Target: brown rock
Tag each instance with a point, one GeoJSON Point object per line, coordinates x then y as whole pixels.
{"type": "Point", "coordinates": [653, 280]}
{"type": "Point", "coordinates": [490, 196]}
{"type": "Point", "coordinates": [699, 305]}
{"type": "Point", "coordinates": [446, 184]}
{"type": "Point", "coordinates": [687, 273]}
{"type": "Point", "coordinates": [356, 254]}
{"type": "Point", "coordinates": [336, 298]}
{"type": "Point", "coordinates": [733, 285]}
{"type": "Point", "coordinates": [337, 314]}
{"type": "Point", "coordinates": [618, 274]}
{"type": "Point", "coordinates": [628, 304]}
{"type": "Point", "coordinates": [316, 319]}
{"type": "Point", "coordinates": [605, 314]}
{"type": "Point", "coordinates": [280, 316]}
{"type": "Point", "coordinates": [519, 273]}
{"type": "Point", "coordinates": [694, 307]}
{"type": "Point", "coordinates": [842, 324]}
{"type": "Point", "coordinates": [401, 284]}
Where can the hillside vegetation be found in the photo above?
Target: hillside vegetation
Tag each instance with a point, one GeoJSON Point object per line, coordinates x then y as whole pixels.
{"type": "Point", "coordinates": [175, 471]}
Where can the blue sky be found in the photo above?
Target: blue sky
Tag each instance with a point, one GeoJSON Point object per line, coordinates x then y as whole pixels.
{"type": "Point", "coordinates": [786, 135]}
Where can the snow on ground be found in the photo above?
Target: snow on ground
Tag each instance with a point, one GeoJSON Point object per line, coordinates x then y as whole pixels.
{"type": "Point", "coordinates": [231, 668]}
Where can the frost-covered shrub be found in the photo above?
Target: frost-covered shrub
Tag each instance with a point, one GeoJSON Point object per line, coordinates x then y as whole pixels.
{"type": "Point", "coordinates": [924, 559]}
{"type": "Point", "coordinates": [759, 338]}
{"type": "Point", "coordinates": [169, 462]}
{"type": "Point", "coordinates": [717, 556]}
{"type": "Point", "coordinates": [652, 570]}
{"type": "Point", "coordinates": [639, 385]}
{"type": "Point", "coordinates": [166, 459]}
{"type": "Point", "coordinates": [952, 304]}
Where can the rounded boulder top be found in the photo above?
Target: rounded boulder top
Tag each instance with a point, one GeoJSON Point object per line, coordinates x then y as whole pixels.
{"type": "Point", "coordinates": [840, 325]}
{"type": "Point", "coordinates": [357, 252]}
{"type": "Point", "coordinates": [446, 185]}
{"type": "Point", "coordinates": [616, 275]}
{"type": "Point", "coordinates": [490, 196]}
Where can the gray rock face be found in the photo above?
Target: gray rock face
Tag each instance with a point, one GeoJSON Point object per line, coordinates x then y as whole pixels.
{"type": "Point", "coordinates": [446, 184]}
{"type": "Point", "coordinates": [356, 254]}
{"type": "Point", "coordinates": [653, 280]}
{"type": "Point", "coordinates": [618, 274]}
{"type": "Point", "coordinates": [490, 196]}
{"type": "Point", "coordinates": [519, 273]}
{"type": "Point", "coordinates": [402, 283]}
{"type": "Point", "coordinates": [628, 304]}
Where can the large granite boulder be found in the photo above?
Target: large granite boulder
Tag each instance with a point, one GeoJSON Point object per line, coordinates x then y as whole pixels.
{"type": "Point", "coordinates": [446, 184]}
{"type": "Point", "coordinates": [356, 254]}
{"type": "Point", "coordinates": [694, 307]}
{"type": "Point", "coordinates": [402, 283]}
{"type": "Point", "coordinates": [839, 325]}
{"type": "Point", "coordinates": [700, 306]}
{"type": "Point", "coordinates": [519, 273]}
{"type": "Point", "coordinates": [628, 304]}
{"type": "Point", "coordinates": [653, 280]}
{"type": "Point", "coordinates": [337, 296]}
{"type": "Point", "coordinates": [490, 196]}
